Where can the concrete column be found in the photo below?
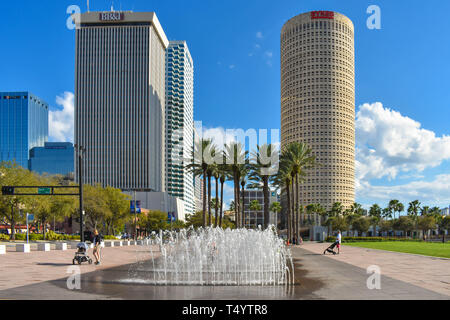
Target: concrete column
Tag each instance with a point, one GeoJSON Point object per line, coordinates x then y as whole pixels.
{"type": "Point", "coordinates": [2, 249]}
{"type": "Point", "coordinates": [61, 246]}
{"type": "Point", "coordinates": [23, 247]}
{"type": "Point", "coordinates": [43, 247]}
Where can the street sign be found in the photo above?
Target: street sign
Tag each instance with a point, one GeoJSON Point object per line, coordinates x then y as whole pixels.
{"type": "Point", "coordinates": [44, 191]}
{"type": "Point", "coordinates": [30, 216]}
{"type": "Point", "coordinates": [138, 206]}
{"type": "Point", "coordinates": [7, 191]}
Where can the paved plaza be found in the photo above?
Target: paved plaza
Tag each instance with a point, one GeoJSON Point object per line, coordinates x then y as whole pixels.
{"type": "Point", "coordinates": [43, 275]}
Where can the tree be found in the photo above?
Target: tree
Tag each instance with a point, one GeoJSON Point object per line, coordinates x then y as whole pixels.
{"type": "Point", "coordinates": [12, 174]}
{"type": "Point", "coordinates": [300, 159]}
{"type": "Point", "coordinates": [375, 214]}
{"type": "Point", "coordinates": [282, 180]}
{"type": "Point", "coordinates": [156, 220]}
{"type": "Point", "coordinates": [263, 167]}
{"type": "Point", "coordinates": [444, 224]}
{"type": "Point", "coordinates": [362, 225]}
{"type": "Point", "coordinates": [275, 207]}
{"type": "Point", "coordinates": [386, 225]}
{"type": "Point", "coordinates": [236, 158]}
{"type": "Point", "coordinates": [404, 223]}
{"type": "Point", "coordinates": [396, 206]}
{"type": "Point", "coordinates": [95, 205]}
{"type": "Point", "coordinates": [426, 223]}
{"type": "Point", "coordinates": [200, 164]}
{"type": "Point", "coordinates": [118, 205]}
{"type": "Point", "coordinates": [255, 206]}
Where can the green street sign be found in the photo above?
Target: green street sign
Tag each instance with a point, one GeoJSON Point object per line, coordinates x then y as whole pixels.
{"type": "Point", "coordinates": [44, 190]}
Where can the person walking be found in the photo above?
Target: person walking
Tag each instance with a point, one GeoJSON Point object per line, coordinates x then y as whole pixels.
{"type": "Point", "coordinates": [97, 246]}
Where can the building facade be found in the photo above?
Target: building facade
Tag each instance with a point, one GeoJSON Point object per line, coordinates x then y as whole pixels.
{"type": "Point", "coordinates": [120, 99]}
{"type": "Point", "coordinates": [23, 126]}
{"type": "Point", "coordinates": [179, 123]}
{"type": "Point", "coordinates": [254, 218]}
{"type": "Point", "coordinates": [53, 158]}
{"type": "Point", "coordinates": [318, 102]}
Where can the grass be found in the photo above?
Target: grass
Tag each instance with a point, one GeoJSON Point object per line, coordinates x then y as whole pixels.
{"type": "Point", "coordinates": [434, 249]}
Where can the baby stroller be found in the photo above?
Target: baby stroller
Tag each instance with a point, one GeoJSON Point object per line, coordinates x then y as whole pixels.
{"type": "Point", "coordinates": [330, 249]}
{"type": "Point", "coordinates": [81, 254]}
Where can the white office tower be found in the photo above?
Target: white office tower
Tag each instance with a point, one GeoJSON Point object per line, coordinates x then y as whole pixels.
{"type": "Point", "coordinates": [120, 98]}
{"type": "Point", "coordinates": [179, 123]}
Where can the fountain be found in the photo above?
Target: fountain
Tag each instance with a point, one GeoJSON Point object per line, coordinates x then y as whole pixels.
{"type": "Point", "coordinates": [216, 257]}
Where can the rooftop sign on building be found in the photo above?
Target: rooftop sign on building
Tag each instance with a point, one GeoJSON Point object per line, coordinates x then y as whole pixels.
{"type": "Point", "coordinates": [111, 16]}
{"type": "Point", "coordinates": [322, 15]}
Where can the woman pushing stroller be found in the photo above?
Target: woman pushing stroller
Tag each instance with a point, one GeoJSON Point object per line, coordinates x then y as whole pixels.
{"type": "Point", "coordinates": [337, 244]}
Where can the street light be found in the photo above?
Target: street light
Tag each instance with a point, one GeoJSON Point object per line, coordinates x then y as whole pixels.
{"type": "Point", "coordinates": [80, 151]}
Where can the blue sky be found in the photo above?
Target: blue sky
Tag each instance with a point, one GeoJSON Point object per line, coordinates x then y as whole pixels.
{"type": "Point", "coordinates": [235, 47]}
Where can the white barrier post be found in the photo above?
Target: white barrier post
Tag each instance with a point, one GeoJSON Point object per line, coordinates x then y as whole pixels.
{"type": "Point", "coordinates": [43, 246]}
{"type": "Point", "coordinates": [61, 246]}
{"type": "Point", "coordinates": [23, 247]}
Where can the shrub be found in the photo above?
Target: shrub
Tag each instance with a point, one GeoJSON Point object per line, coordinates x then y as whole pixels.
{"type": "Point", "coordinates": [109, 237]}
{"type": "Point", "coordinates": [4, 237]}
{"type": "Point", "coordinates": [50, 235]}
{"type": "Point", "coordinates": [20, 236]}
{"type": "Point", "coordinates": [35, 237]}
{"type": "Point", "coordinates": [370, 239]}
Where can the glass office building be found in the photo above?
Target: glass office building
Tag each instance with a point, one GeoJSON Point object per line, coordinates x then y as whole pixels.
{"type": "Point", "coordinates": [53, 158]}
{"type": "Point", "coordinates": [23, 126]}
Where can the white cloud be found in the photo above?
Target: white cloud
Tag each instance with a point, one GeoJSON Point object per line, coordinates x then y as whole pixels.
{"type": "Point", "coordinates": [61, 122]}
{"type": "Point", "coordinates": [388, 143]}
{"type": "Point", "coordinates": [259, 35]}
{"type": "Point", "coordinates": [435, 192]}
{"type": "Point", "coordinates": [232, 66]}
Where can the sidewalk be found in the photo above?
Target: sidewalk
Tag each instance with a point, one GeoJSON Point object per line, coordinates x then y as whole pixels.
{"type": "Point", "coordinates": [21, 269]}
{"type": "Point", "coordinates": [430, 273]}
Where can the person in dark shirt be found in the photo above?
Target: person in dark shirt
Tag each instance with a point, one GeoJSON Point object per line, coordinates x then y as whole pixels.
{"type": "Point", "coordinates": [97, 246]}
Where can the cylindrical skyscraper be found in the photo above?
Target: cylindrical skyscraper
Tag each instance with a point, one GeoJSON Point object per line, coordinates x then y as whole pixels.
{"type": "Point", "coordinates": [318, 102]}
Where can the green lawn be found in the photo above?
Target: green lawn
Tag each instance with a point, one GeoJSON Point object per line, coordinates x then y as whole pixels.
{"type": "Point", "coordinates": [424, 248]}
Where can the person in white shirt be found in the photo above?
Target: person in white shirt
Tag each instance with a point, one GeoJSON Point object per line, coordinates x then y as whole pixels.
{"type": "Point", "coordinates": [339, 239]}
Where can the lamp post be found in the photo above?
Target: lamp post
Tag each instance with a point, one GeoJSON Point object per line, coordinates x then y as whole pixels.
{"type": "Point", "coordinates": [80, 150]}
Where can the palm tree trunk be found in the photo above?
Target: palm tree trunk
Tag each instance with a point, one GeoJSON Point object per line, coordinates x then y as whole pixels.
{"type": "Point", "coordinates": [217, 201]}
{"type": "Point", "coordinates": [293, 211]}
{"type": "Point", "coordinates": [243, 208]}
{"type": "Point", "coordinates": [221, 203]}
{"type": "Point", "coordinates": [209, 199]}
{"type": "Point", "coordinates": [266, 201]}
{"type": "Point", "coordinates": [204, 198]}
{"type": "Point", "coordinates": [288, 196]}
{"type": "Point", "coordinates": [298, 209]}
{"type": "Point", "coordinates": [236, 200]}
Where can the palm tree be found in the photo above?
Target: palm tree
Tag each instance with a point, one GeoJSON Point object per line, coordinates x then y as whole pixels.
{"type": "Point", "coordinates": [413, 211]}
{"type": "Point", "coordinates": [243, 172]}
{"type": "Point", "coordinates": [300, 159]}
{"type": "Point", "coordinates": [261, 169]}
{"type": "Point", "coordinates": [255, 206]}
{"type": "Point", "coordinates": [396, 206]}
{"type": "Point", "coordinates": [375, 213]}
{"type": "Point", "coordinates": [199, 166]}
{"type": "Point", "coordinates": [236, 158]}
{"type": "Point", "coordinates": [223, 171]}
{"type": "Point", "coordinates": [283, 180]}
{"type": "Point", "coordinates": [275, 207]}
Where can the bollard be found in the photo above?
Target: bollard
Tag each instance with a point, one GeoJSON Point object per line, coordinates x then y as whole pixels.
{"type": "Point", "coordinates": [43, 247]}
{"type": "Point", "coordinates": [118, 243]}
{"type": "Point", "coordinates": [109, 244]}
{"type": "Point", "coordinates": [126, 243]}
{"type": "Point", "coordinates": [23, 247]}
{"type": "Point", "coordinates": [61, 246]}
{"type": "Point", "coordinates": [2, 249]}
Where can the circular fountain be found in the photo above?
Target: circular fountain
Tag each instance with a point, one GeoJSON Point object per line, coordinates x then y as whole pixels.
{"type": "Point", "coordinates": [216, 257]}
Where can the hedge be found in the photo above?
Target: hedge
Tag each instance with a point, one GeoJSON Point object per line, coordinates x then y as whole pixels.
{"type": "Point", "coordinates": [371, 239]}
{"type": "Point", "coordinates": [51, 236]}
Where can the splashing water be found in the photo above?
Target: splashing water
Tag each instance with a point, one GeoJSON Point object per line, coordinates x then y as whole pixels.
{"type": "Point", "coordinates": [213, 256]}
